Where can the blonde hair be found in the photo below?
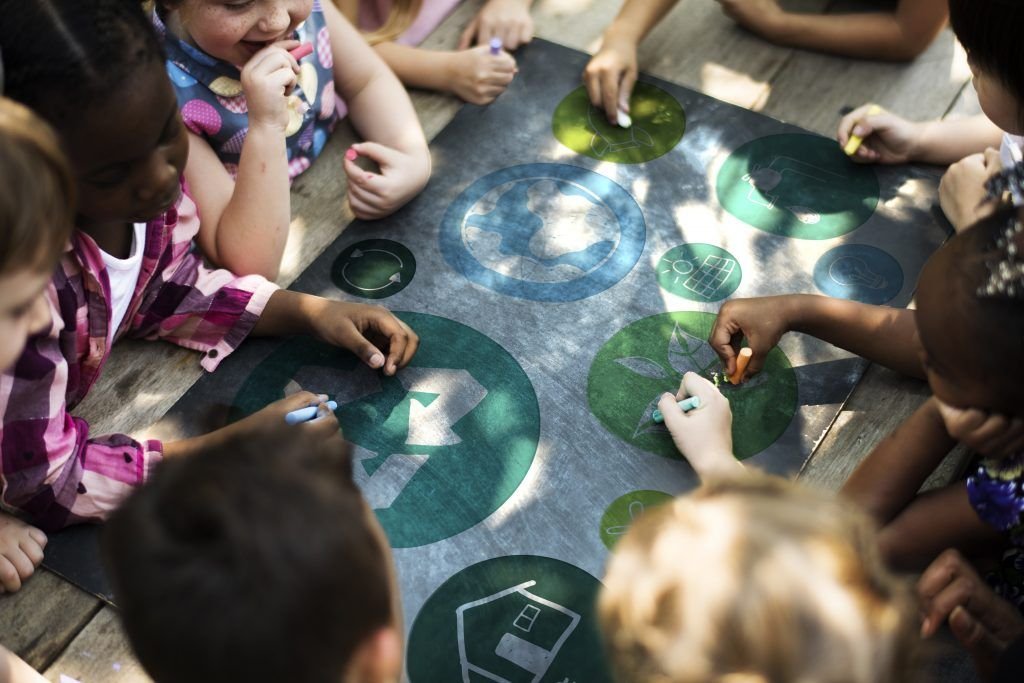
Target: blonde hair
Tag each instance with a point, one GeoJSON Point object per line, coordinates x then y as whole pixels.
{"type": "Point", "coordinates": [755, 580]}
{"type": "Point", "coordinates": [37, 193]}
{"type": "Point", "coordinates": [400, 17]}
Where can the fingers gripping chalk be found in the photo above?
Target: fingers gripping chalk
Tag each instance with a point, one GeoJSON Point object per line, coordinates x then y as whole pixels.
{"type": "Point", "coordinates": [742, 360]}
{"type": "Point", "coordinates": [301, 51]}
{"type": "Point", "coordinates": [854, 143]}
{"type": "Point", "coordinates": [306, 414]}
{"type": "Point", "coordinates": [496, 46]}
{"type": "Point", "coordinates": [624, 119]}
{"type": "Point", "coordinates": [351, 154]}
{"type": "Point", "coordinates": [686, 405]}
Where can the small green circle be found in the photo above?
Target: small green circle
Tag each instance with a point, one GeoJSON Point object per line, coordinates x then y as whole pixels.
{"type": "Point", "coordinates": [658, 125]}
{"type": "Point", "coordinates": [699, 272]}
{"type": "Point", "coordinates": [797, 185]}
{"type": "Point", "coordinates": [374, 269]}
{"type": "Point", "coordinates": [649, 357]}
{"type": "Point", "coordinates": [625, 510]}
{"type": "Point", "coordinates": [521, 618]}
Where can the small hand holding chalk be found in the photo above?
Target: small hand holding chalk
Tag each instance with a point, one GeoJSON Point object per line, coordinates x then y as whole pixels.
{"type": "Point", "coordinates": [267, 79]}
{"type": "Point", "coordinates": [884, 138]}
{"type": "Point", "coordinates": [610, 76]}
{"type": "Point", "coordinates": [480, 74]}
{"type": "Point", "coordinates": [702, 435]}
{"type": "Point", "coordinates": [402, 176]}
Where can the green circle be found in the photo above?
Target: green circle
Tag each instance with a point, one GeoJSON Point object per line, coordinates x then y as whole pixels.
{"type": "Point", "coordinates": [797, 185]}
{"type": "Point", "coordinates": [438, 447]}
{"type": "Point", "coordinates": [374, 269]}
{"type": "Point", "coordinates": [521, 618]}
{"type": "Point", "coordinates": [625, 510]}
{"type": "Point", "coordinates": [699, 272]}
{"type": "Point", "coordinates": [649, 357]}
{"type": "Point", "coordinates": [658, 125]}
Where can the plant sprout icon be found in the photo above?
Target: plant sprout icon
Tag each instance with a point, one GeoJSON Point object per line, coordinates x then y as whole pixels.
{"type": "Point", "coordinates": [851, 271]}
{"type": "Point", "coordinates": [764, 179]}
{"type": "Point", "coordinates": [615, 139]}
{"type": "Point", "coordinates": [636, 508]}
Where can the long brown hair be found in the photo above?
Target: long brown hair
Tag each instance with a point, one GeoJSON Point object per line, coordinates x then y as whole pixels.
{"type": "Point", "coordinates": [400, 17]}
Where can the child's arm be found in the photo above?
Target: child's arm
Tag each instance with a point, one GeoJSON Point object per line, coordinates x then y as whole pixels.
{"type": "Point", "coordinates": [383, 115]}
{"type": "Point", "coordinates": [702, 435]}
{"type": "Point", "coordinates": [611, 73]}
{"type": "Point", "coordinates": [988, 433]}
{"type": "Point", "coordinates": [891, 139]}
{"type": "Point", "coordinates": [14, 670]}
{"type": "Point", "coordinates": [474, 75]}
{"type": "Point", "coordinates": [506, 19]}
{"type": "Point", "coordinates": [879, 333]}
{"type": "Point", "coordinates": [245, 221]}
{"type": "Point", "coordinates": [897, 36]}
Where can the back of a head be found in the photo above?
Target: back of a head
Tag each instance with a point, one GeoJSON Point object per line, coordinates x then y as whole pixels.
{"type": "Point", "coordinates": [246, 566]}
{"type": "Point", "coordinates": [990, 32]}
{"type": "Point", "coordinates": [755, 580]}
{"type": "Point", "coordinates": [37, 192]}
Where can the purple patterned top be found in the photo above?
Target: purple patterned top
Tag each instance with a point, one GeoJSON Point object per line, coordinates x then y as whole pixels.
{"type": "Point", "coordinates": [996, 491]}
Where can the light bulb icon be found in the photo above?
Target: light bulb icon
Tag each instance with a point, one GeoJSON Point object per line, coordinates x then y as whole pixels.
{"type": "Point", "coordinates": [851, 271]}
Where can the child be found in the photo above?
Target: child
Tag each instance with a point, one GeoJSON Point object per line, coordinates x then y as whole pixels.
{"type": "Point", "coordinates": [36, 197]}
{"type": "Point", "coordinates": [396, 28]}
{"type": "Point", "coordinates": [964, 338]}
{"type": "Point", "coordinates": [276, 558]}
{"type": "Point", "coordinates": [94, 70]}
{"type": "Point", "coordinates": [986, 28]}
{"type": "Point", "coordinates": [898, 35]}
{"type": "Point", "coordinates": [257, 118]}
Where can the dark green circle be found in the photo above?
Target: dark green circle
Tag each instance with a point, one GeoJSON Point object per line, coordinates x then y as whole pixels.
{"type": "Point", "coordinates": [491, 629]}
{"type": "Point", "coordinates": [374, 269]}
{"type": "Point", "coordinates": [461, 483]}
{"type": "Point", "coordinates": [797, 185]}
{"type": "Point", "coordinates": [699, 272]}
{"type": "Point", "coordinates": [641, 362]}
{"type": "Point", "coordinates": [658, 125]}
{"type": "Point", "coordinates": [624, 510]}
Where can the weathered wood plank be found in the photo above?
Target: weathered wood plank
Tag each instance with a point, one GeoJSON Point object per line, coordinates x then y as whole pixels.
{"type": "Point", "coordinates": [100, 653]}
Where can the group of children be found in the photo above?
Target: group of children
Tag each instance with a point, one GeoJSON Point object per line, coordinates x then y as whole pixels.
{"type": "Point", "coordinates": [147, 151]}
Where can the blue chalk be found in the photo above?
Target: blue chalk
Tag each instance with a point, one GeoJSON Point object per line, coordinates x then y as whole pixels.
{"type": "Point", "coordinates": [496, 46]}
{"type": "Point", "coordinates": [306, 414]}
{"type": "Point", "coordinates": [687, 404]}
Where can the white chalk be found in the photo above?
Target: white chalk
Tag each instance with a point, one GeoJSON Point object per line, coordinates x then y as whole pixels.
{"type": "Point", "coordinates": [624, 120]}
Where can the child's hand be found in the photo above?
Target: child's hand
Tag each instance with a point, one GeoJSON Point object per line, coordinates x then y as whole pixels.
{"type": "Point", "coordinates": [759, 16]}
{"type": "Point", "coordinates": [478, 77]}
{"type": "Point", "coordinates": [888, 139]}
{"type": "Point", "coordinates": [506, 19]}
{"type": "Point", "coordinates": [984, 623]}
{"type": "Point", "coordinates": [988, 434]}
{"type": "Point", "coordinates": [761, 320]}
{"type": "Point", "coordinates": [610, 76]}
{"type": "Point", "coordinates": [21, 551]}
{"type": "Point", "coordinates": [703, 435]}
{"type": "Point", "coordinates": [962, 193]}
{"type": "Point", "coordinates": [267, 427]}
{"type": "Point", "coordinates": [369, 332]}
{"type": "Point", "coordinates": [267, 79]}
{"type": "Point", "coordinates": [401, 177]}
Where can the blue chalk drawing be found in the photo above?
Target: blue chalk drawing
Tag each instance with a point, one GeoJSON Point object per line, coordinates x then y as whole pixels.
{"type": "Point", "coordinates": [544, 232]}
{"type": "Point", "coordinates": [859, 272]}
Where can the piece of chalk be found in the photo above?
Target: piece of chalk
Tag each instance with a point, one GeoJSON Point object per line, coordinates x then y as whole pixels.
{"type": "Point", "coordinates": [306, 414]}
{"type": "Point", "coordinates": [624, 120]}
{"type": "Point", "coordinates": [301, 51]}
{"type": "Point", "coordinates": [351, 154]}
{"type": "Point", "coordinates": [854, 143]}
{"type": "Point", "coordinates": [742, 360]}
{"type": "Point", "coordinates": [496, 46]}
{"type": "Point", "coordinates": [686, 405]}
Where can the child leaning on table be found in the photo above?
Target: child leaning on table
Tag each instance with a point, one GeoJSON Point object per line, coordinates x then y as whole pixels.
{"type": "Point", "coordinates": [258, 564]}
{"type": "Point", "coordinates": [751, 578]}
{"type": "Point", "coordinates": [988, 30]}
{"type": "Point", "coordinates": [94, 70]}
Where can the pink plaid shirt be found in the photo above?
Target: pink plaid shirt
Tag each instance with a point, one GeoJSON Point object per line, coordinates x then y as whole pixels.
{"type": "Point", "coordinates": [52, 468]}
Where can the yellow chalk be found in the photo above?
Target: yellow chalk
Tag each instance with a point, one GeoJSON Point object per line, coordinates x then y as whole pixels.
{"type": "Point", "coordinates": [854, 143]}
{"type": "Point", "coordinates": [741, 365]}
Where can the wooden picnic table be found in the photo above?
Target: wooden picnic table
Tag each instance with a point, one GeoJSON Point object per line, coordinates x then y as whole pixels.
{"type": "Point", "coordinates": [59, 629]}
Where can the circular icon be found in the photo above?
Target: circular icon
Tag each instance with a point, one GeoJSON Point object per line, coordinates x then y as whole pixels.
{"type": "Point", "coordinates": [374, 269]}
{"type": "Point", "coordinates": [546, 232]}
{"type": "Point", "coordinates": [699, 272]}
{"type": "Point", "coordinates": [859, 272]}
{"type": "Point", "coordinates": [797, 185]}
{"type": "Point", "coordinates": [516, 618]}
{"type": "Point", "coordinates": [625, 510]}
{"type": "Point", "coordinates": [436, 448]}
{"type": "Point", "coordinates": [649, 357]}
{"type": "Point", "coordinates": [658, 124]}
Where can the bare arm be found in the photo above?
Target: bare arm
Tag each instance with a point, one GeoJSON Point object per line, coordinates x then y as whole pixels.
{"type": "Point", "coordinates": [636, 19]}
{"type": "Point", "coordinates": [950, 140]}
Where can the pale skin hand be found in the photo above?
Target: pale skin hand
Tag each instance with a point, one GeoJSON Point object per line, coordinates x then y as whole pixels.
{"type": "Point", "coordinates": [962, 193]}
{"type": "Point", "coordinates": [477, 76]}
{"type": "Point", "coordinates": [988, 433]}
{"type": "Point", "coordinates": [703, 435]}
{"type": "Point", "coordinates": [14, 670]}
{"type": "Point", "coordinates": [506, 19]}
{"type": "Point", "coordinates": [21, 551]}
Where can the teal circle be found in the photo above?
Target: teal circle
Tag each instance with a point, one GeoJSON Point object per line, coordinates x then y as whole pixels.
{"type": "Point", "coordinates": [797, 185]}
{"type": "Point", "coordinates": [374, 269]}
{"type": "Point", "coordinates": [618, 518]}
{"type": "Point", "coordinates": [520, 618]}
{"type": "Point", "coordinates": [859, 272]}
{"type": "Point", "coordinates": [699, 272]}
{"type": "Point", "coordinates": [649, 357]}
{"type": "Point", "coordinates": [440, 446]}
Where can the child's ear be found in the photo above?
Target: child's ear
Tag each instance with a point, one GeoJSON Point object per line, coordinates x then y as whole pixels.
{"type": "Point", "coordinates": [378, 659]}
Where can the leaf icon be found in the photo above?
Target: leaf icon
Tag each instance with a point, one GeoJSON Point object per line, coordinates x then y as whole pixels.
{"type": "Point", "coordinates": [647, 423]}
{"type": "Point", "coordinates": [687, 353]}
{"type": "Point", "coordinates": [644, 367]}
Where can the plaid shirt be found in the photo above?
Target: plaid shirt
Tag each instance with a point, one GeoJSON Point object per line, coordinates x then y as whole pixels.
{"type": "Point", "coordinates": [52, 468]}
